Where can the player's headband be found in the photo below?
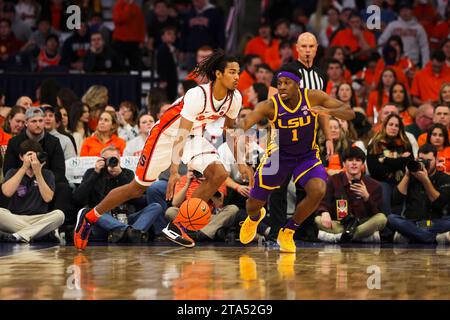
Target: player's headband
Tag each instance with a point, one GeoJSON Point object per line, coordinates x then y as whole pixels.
{"type": "Point", "coordinates": [289, 75]}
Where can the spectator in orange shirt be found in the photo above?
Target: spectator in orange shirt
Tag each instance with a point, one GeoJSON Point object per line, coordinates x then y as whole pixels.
{"type": "Point", "coordinates": [202, 53]}
{"type": "Point", "coordinates": [129, 32]}
{"type": "Point", "coordinates": [380, 96]}
{"type": "Point", "coordinates": [440, 30]}
{"type": "Point", "coordinates": [428, 81]}
{"type": "Point", "coordinates": [426, 15]}
{"type": "Point", "coordinates": [261, 43]}
{"type": "Point", "coordinates": [438, 137]}
{"type": "Point", "coordinates": [444, 94]}
{"type": "Point", "coordinates": [400, 97]}
{"type": "Point", "coordinates": [357, 41]}
{"type": "Point", "coordinates": [338, 53]}
{"type": "Point", "coordinates": [442, 116]}
{"type": "Point", "coordinates": [367, 74]}
{"type": "Point", "coordinates": [335, 73]}
{"type": "Point", "coordinates": [445, 47]}
{"type": "Point", "coordinates": [285, 55]}
{"type": "Point", "coordinates": [4, 139]}
{"type": "Point", "coordinates": [105, 135]}
{"type": "Point", "coordinates": [272, 55]}
{"type": "Point", "coordinates": [247, 77]}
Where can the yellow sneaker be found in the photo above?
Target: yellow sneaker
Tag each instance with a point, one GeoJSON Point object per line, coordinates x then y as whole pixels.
{"type": "Point", "coordinates": [285, 265]}
{"type": "Point", "coordinates": [286, 240]}
{"type": "Point", "coordinates": [248, 228]}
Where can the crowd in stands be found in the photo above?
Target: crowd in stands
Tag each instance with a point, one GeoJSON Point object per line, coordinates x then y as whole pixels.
{"type": "Point", "coordinates": [396, 79]}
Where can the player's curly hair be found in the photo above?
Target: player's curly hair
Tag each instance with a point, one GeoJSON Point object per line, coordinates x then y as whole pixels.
{"type": "Point", "coordinates": [217, 61]}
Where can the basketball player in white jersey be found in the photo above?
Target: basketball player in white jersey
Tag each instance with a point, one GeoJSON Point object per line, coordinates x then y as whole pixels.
{"type": "Point", "coordinates": [178, 135]}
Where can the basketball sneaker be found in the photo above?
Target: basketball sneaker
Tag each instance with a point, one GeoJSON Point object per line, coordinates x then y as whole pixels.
{"type": "Point", "coordinates": [82, 230]}
{"type": "Point", "coordinates": [286, 240]}
{"type": "Point", "coordinates": [175, 232]}
{"type": "Point", "coordinates": [248, 228]}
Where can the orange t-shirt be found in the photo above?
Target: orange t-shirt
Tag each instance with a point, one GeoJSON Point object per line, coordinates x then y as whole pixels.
{"type": "Point", "coordinates": [258, 46]}
{"type": "Point", "coordinates": [92, 146]}
{"type": "Point", "coordinates": [398, 70]}
{"type": "Point", "coordinates": [407, 119]}
{"type": "Point", "coordinates": [4, 139]}
{"type": "Point", "coordinates": [439, 32]}
{"type": "Point", "coordinates": [345, 38]}
{"type": "Point", "coordinates": [373, 101]}
{"type": "Point", "coordinates": [272, 56]}
{"type": "Point", "coordinates": [423, 138]}
{"type": "Point", "coordinates": [245, 81]}
{"type": "Point", "coordinates": [129, 22]}
{"type": "Point", "coordinates": [368, 75]}
{"type": "Point", "coordinates": [444, 156]}
{"type": "Point", "coordinates": [426, 84]}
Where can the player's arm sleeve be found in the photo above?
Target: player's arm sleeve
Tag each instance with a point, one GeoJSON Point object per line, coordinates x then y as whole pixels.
{"type": "Point", "coordinates": [194, 102]}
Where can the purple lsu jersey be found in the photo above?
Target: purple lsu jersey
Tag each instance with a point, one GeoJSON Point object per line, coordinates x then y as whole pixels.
{"type": "Point", "coordinates": [295, 129]}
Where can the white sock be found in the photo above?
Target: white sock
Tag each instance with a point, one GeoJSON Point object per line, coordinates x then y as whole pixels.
{"type": "Point", "coordinates": [96, 213]}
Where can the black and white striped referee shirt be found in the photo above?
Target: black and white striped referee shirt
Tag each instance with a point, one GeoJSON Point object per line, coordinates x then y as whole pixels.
{"type": "Point", "coordinates": [312, 78]}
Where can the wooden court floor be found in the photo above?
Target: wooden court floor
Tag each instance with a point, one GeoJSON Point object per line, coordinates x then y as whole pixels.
{"type": "Point", "coordinates": [215, 272]}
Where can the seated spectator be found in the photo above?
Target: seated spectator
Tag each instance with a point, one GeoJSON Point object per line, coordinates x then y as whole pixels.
{"type": "Point", "coordinates": [272, 56]}
{"type": "Point", "coordinates": [256, 93]}
{"type": "Point", "coordinates": [50, 125]}
{"type": "Point", "coordinates": [105, 135]}
{"type": "Point", "coordinates": [388, 109]}
{"type": "Point", "coordinates": [37, 39]}
{"type": "Point", "coordinates": [96, 24]}
{"type": "Point", "coordinates": [367, 75]}
{"type": "Point", "coordinates": [222, 216]}
{"type": "Point", "coordinates": [78, 124]}
{"type": "Point", "coordinates": [423, 121]}
{"type": "Point", "coordinates": [333, 163]}
{"type": "Point", "coordinates": [439, 138]}
{"type": "Point", "coordinates": [335, 73]}
{"type": "Point", "coordinates": [334, 25]}
{"type": "Point", "coordinates": [352, 199]}
{"type": "Point", "coordinates": [247, 76]}
{"type": "Point", "coordinates": [400, 97]}
{"type": "Point", "coordinates": [49, 55]}
{"type": "Point", "coordinates": [10, 46]}
{"type": "Point", "coordinates": [127, 116]}
{"type": "Point", "coordinates": [65, 97]}
{"type": "Point", "coordinates": [380, 96]}
{"type": "Point", "coordinates": [444, 94]}
{"type": "Point", "coordinates": [4, 139]}
{"type": "Point", "coordinates": [428, 81]}
{"type": "Point", "coordinates": [387, 156]}
{"type": "Point", "coordinates": [101, 57]}
{"type": "Point", "coordinates": [15, 121]}
{"type": "Point", "coordinates": [96, 97]}
{"type": "Point", "coordinates": [134, 147]}
{"type": "Point", "coordinates": [358, 41]}
{"type": "Point", "coordinates": [24, 102]}
{"type": "Point", "coordinates": [28, 11]}
{"type": "Point", "coordinates": [442, 116]}
{"type": "Point", "coordinates": [346, 93]}
{"type": "Point", "coordinates": [158, 19]}
{"type": "Point", "coordinates": [440, 30]}
{"type": "Point", "coordinates": [76, 47]}
{"type": "Point", "coordinates": [21, 30]}
{"type": "Point", "coordinates": [97, 182]}
{"type": "Point", "coordinates": [425, 192]}
{"type": "Point", "coordinates": [338, 53]}
{"type": "Point", "coordinates": [284, 55]}
{"type": "Point", "coordinates": [166, 63]}
{"type": "Point", "coordinates": [30, 188]}
{"type": "Point", "coordinates": [264, 74]}
{"type": "Point", "coordinates": [261, 43]}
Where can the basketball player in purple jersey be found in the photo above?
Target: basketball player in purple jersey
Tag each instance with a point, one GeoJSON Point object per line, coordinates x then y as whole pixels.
{"type": "Point", "coordinates": [293, 114]}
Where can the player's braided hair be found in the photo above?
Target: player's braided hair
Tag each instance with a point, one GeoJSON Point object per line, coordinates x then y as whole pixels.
{"type": "Point", "coordinates": [217, 61]}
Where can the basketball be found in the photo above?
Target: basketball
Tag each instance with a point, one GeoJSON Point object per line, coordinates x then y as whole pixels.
{"type": "Point", "coordinates": [194, 214]}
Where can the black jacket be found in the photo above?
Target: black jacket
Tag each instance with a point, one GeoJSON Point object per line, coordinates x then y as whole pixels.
{"type": "Point", "coordinates": [167, 70]}
{"type": "Point", "coordinates": [105, 61]}
{"type": "Point", "coordinates": [95, 186]}
{"type": "Point", "coordinates": [418, 206]}
{"type": "Point", "coordinates": [51, 146]}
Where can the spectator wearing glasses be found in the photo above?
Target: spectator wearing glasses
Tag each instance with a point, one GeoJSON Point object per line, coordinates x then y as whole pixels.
{"type": "Point", "coordinates": [423, 121]}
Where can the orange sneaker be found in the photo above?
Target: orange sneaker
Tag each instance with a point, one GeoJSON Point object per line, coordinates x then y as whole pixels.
{"type": "Point", "coordinates": [175, 232]}
{"type": "Point", "coordinates": [82, 230]}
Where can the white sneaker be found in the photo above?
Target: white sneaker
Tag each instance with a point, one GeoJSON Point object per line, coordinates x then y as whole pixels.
{"type": "Point", "coordinates": [399, 238]}
{"type": "Point", "coordinates": [329, 237]}
{"type": "Point", "coordinates": [443, 238]}
{"type": "Point", "coordinates": [374, 238]}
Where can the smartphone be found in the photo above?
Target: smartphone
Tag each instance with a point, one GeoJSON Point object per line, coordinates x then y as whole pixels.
{"type": "Point", "coordinates": [356, 181]}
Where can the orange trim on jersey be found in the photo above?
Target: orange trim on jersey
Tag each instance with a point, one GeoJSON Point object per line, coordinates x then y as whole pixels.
{"type": "Point", "coordinates": [168, 118]}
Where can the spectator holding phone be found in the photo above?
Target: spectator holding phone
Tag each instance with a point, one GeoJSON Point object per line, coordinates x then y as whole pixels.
{"type": "Point", "coordinates": [351, 209]}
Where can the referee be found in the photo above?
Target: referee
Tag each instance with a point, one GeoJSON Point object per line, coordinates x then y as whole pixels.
{"type": "Point", "coordinates": [312, 78]}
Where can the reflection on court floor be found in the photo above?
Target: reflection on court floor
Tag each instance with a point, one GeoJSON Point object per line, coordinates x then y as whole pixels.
{"type": "Point", "coordinates": [214, 272]}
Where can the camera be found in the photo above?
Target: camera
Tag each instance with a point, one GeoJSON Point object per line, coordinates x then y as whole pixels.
{"type": "Point", "coordinates": [42, 156]}
{"type": "Point", "coordinates": [350, 224]}
{"type": "Point", "coordinates": [416, 165]}
{"type": "Point", "coordinates": [112, 162]}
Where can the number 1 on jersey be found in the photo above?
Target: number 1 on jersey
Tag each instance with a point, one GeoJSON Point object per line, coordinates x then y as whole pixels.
{"type": "Point", "coordinates": [294, 135]}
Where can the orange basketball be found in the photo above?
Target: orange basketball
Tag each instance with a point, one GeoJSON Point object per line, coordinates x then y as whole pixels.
{"type": "Point", "coordinates": [194, 214]}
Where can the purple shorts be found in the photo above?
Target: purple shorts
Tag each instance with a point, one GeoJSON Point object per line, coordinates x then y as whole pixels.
{"type": "Point", "coordinates": [275, 168]}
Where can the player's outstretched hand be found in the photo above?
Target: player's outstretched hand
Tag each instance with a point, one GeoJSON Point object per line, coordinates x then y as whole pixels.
{"type": "Point", "coordinates": [247, 174]}
{"type": "Point", "coordinates": [173, 179]}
